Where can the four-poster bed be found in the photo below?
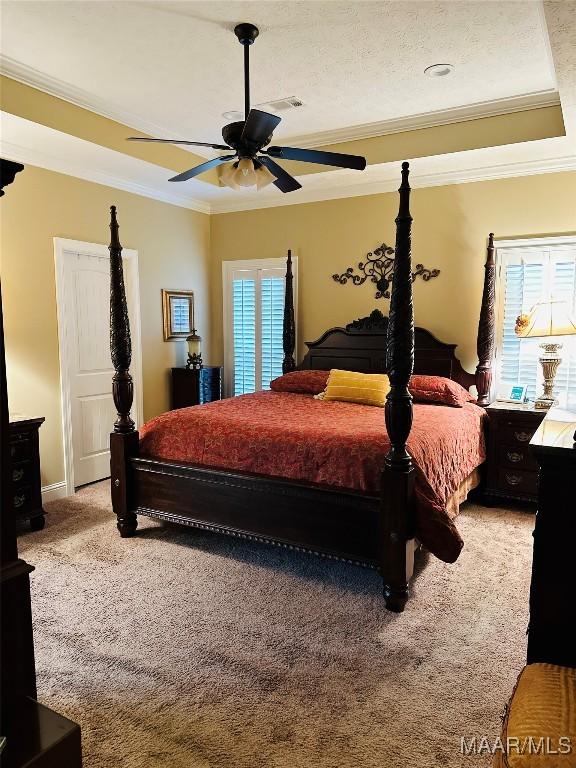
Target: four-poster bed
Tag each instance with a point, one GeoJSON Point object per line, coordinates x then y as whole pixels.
{"type": "Point", "coordinates": [376, 528]}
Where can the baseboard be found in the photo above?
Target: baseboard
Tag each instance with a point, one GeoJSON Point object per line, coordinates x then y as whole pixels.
{"type": "Point", "coordinates": [54, 492]}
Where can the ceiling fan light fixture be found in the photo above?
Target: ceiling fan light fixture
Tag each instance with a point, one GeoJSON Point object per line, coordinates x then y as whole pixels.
{"type": "Point", "coordinates": [245, 175]}
{"type": "Point", "coordinates": [228, 176]}
{"type": "Point", "coordinates": [247, 137]}
{"type": "Point", "coordinates": [264, 177]}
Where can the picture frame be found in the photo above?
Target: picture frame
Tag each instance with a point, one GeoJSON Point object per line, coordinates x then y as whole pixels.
{"type": "Point", "coordinates": [177, 313]}
{"type": "Point", "coordinates": [513, 393]}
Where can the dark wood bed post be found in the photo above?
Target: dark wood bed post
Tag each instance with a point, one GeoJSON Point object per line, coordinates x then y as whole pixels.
{"type": "Point", "coordinates": [289, 327]}
{"type": "Point", "coordinates": [486, 328]}
{"type": "Point", "coordinates": [398, 475]}
{"type": "Point", "coordinates": [124, 439]}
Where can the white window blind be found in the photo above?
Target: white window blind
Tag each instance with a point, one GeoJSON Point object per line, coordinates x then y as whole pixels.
{"type": "Point", "coordinates": [529, 273]}
{"type": "Point", "coordinates": [244, 334]}
{"type": "Point", "coordinates": [253, 323]}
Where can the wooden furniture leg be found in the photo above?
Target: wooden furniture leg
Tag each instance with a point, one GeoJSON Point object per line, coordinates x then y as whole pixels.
{"type": "Point", "coordinates": [398, 474]}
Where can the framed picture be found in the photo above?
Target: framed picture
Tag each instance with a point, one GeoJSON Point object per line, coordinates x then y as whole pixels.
{"type": "Point", "coordinates": [515, 393]}
{"type": "Point", "coordinates": [177, 313]}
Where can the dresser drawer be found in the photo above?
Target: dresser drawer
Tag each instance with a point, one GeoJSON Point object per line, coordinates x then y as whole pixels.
{"type": "Point", "coordinates": [517, 434]}
{"type": "Point", "coordinates": [23, 499]}
{"type": "Point", "coordinates": [21, 447]}
{"type": "Point", "coordinates": [518, 481]}
{"type": "Point", "coordinates": [22, 472]}
{"type": "Point", "coordinates": [518, 456]}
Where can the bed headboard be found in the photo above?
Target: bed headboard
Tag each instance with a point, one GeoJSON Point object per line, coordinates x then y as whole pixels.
{"type": "Point", "coordinates": [361, 346]}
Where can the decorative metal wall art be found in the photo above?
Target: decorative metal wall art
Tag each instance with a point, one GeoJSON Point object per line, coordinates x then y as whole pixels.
{"type": "Point", "coordinates": [379, 268]}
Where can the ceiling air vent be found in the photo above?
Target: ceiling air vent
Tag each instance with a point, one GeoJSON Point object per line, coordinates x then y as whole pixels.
{"type": "Point", "coordinates": [280, 105]}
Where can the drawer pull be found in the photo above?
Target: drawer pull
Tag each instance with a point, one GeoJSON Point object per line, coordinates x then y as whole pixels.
{"type": "Point", "coordinates": [17, 474]}
{"type": "Point", "coordinates": [514, 456]}
{"type": "Point", "coordinates": [513, 479]}
{"type": "Point", "coordinates": [19, 500]}
{"type": "Point", "coordinates": [523, 437]}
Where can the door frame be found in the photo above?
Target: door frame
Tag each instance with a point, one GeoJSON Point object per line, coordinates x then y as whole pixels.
{"type": "Point", "coordinates": [63, 248]}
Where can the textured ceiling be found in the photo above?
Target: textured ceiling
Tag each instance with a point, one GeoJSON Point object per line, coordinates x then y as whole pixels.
{"type": "Point", "coordinates": [176, 66]}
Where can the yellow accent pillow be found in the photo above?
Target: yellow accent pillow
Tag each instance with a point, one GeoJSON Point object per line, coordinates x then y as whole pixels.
{"type": "Point", "coordinates": [541, 713]}
{"type": "Point", "coordinates": [363, 388]}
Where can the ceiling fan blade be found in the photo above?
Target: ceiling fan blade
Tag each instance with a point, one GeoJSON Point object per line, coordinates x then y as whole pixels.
{"type": "Point", "coordinates": [316, 156]}
{"type": "Point", "coordinates": [197, 170]}
{"type": "Point", "coordinates": [180, 141]}
{"type": "Point", "coordinates": [259, 126]}
{"type": "Point", "coordinates": [284, 181]}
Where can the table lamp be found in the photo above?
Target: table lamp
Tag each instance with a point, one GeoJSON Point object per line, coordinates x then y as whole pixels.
{"type": "Point", "coordinates": [194, 350]}
{"type": "Point", "coordinates": [547, 318]}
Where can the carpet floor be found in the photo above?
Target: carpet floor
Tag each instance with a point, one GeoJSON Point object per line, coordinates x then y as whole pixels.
{"type": "Point", "coordinates": [180, 649]}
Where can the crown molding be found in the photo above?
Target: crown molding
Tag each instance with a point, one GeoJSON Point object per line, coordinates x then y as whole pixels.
{"type": "Point", "coordinates": [15, 70]}
{"type": "Point", "coordinates": [272, 199]}
{"type": "Point", "coordinates": [28, 156]}
{"type": "Point", "coordinates": [417, 180]}
{"type": "Point", "coordinates": [476, 111]}
{"type": "Point", "coordinates": [62, 90]}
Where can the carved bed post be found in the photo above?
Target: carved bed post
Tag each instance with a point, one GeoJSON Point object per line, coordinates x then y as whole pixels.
{"type": "Point", "coordinates": [486, 328]}
{"type": "Point", "coordinates": [398, 474]}
{"type": "Point", "coordinates": [124, 439]}
{"type": "Point", "coordinates": [289, 328]}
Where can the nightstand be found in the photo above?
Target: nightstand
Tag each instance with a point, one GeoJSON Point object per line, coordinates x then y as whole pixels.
{"type": "Point", "coordinates": [512, 469]}
{"type": "Point", "coordinates": [25, 471]}
{"type": "Point", "coordinates": [193, 386]}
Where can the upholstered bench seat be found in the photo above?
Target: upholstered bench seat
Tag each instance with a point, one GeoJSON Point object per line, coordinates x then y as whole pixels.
{"type": "Point", "coordinates": [539, 729]}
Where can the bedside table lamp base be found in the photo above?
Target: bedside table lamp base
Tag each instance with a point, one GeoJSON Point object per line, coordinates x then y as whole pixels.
{"type": "Point", "coordinates": [194, 362]}
{"type": "Point", "coordinates": [550, 362]}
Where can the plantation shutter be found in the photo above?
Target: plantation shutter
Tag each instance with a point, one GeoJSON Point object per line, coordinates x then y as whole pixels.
{"type": "Point", "coordinates": [255, 325]}
{"type": "Point", "coordinates": [244, 330]}
{"type": "Point", "coordinates": [272, 290]}
{"type": "Point", "coordinates": [530, 275]}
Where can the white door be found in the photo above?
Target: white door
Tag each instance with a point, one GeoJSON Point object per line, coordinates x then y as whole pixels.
{"type": "Point", "coordinates": [83, 273]}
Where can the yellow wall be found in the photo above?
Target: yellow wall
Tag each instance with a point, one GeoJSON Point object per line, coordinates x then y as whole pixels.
{"type": "Point", "coordinates": [181, 248]}
{"type": "Point", "coordinates": [173, 248]}
{"type": "Point", "coordinates": [44, 109]}
{"type": "Point", "coordinates": [450, 228]}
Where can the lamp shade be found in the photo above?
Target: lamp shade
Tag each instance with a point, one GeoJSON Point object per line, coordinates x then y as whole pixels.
{"type": "Point", "coordinates": [547, 318]}
{"type": "Point", "coordinates": [246, 173]}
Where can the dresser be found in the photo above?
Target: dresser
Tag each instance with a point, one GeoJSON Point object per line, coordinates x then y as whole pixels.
{"type": "Point", "coordinates": [193, 386]}
{"type": "Point", "coordinates": [553, 585]}
{"type": "Point", "coordinates": [512, 469]}
{"type": "Point", "coordinates": [26, 488]}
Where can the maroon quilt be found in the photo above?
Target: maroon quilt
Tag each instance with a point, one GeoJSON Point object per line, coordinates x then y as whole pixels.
{"type": "Point", "coordinates": [334, 444]}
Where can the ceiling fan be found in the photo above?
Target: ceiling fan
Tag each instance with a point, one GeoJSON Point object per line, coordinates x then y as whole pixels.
{"type": "Point", "coordinates": [253, 162]}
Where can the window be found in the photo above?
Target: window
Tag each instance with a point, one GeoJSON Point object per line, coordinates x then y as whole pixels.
{"type": "Point", "coordinates": [253, 294]}
{"type": "Point", "coordinates": [531, 271]}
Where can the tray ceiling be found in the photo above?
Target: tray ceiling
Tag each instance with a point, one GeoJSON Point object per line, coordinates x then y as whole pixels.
{"type": "Point", "coordinates": [175, 67]}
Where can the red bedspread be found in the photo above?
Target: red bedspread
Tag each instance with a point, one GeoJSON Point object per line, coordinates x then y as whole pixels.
{"type": "Point", "coordinates": [331, 443]}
